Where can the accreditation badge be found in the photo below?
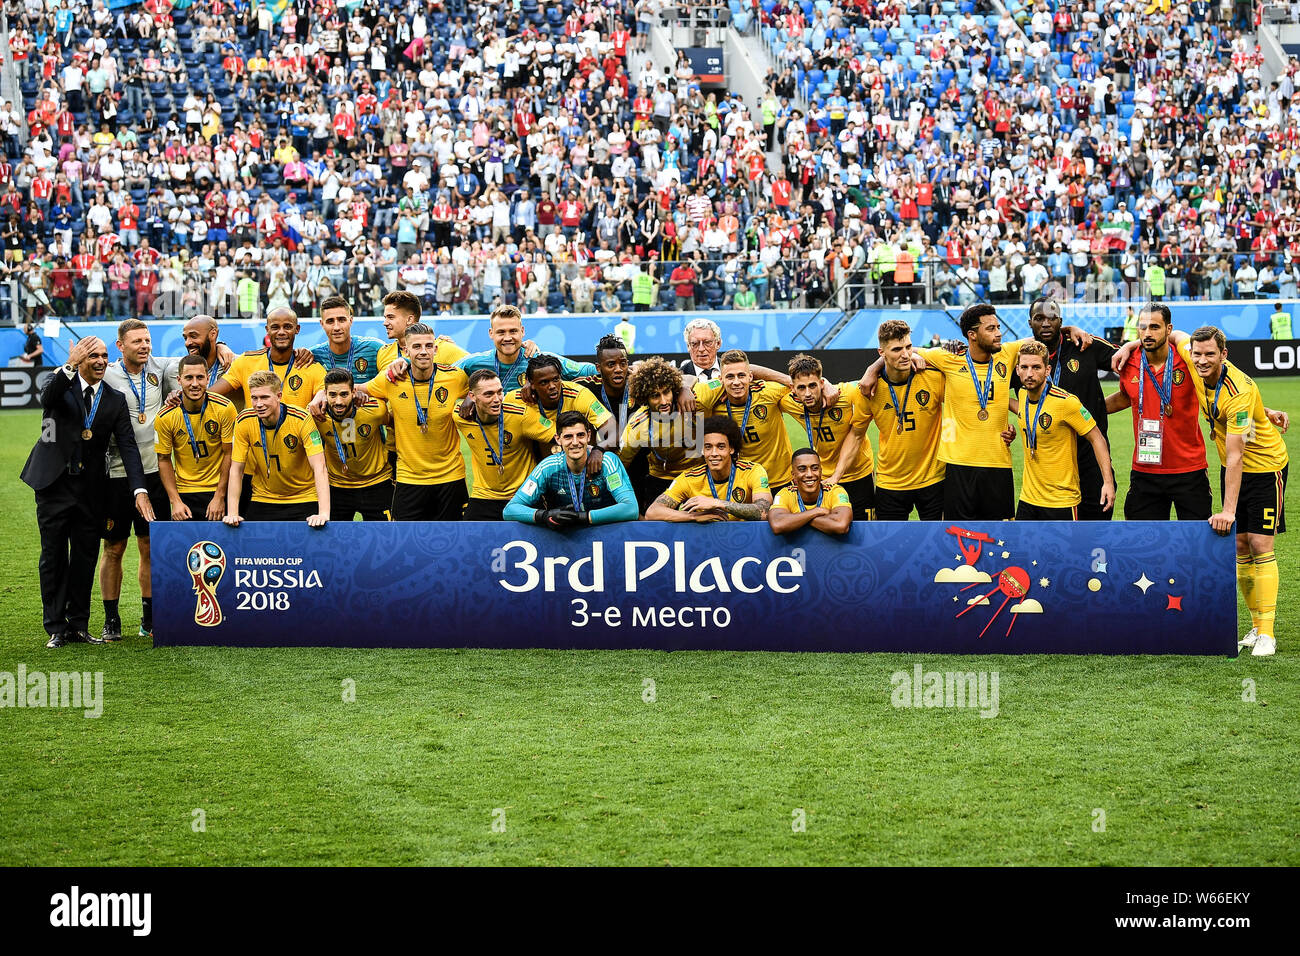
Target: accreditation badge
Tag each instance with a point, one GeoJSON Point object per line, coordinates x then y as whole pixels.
{"type": "Point", "coordinates": [1150, 444]}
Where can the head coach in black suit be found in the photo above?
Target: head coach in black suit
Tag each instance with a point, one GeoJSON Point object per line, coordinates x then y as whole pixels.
{"type": "Point", "coordinates": [68, 469]}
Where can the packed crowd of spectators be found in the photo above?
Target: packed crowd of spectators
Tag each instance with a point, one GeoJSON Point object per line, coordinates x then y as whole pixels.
{"type": "Point", "coordinates": [223, 155]}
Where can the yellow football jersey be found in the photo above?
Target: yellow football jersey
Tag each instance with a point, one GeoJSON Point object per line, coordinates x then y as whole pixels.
{"type": "Point", "coordinates": [1051, 478]}
{"type": "Point", "coordinates": [573, 398]}
{"type": "Point", "coordinates": [300, 385]}
{"type": "Point", "coordinates": [826, 429]}
{"type": "Point", "coordinates": [909, 459]}
{"type": "Point", "coordinates": [963, 438]}
{"type": "Point", "coordinates": [664, 438]}
{"type": "Point", "coordinates": [501, 453]}
{"type": "Point", "coordinates": [747, 482]}
{"type": "Point", "coordinates": [761, 423]}
{"type": "Point", "coordinates": [357, 440]}
{"type": "Point", "coordinates": [1239, 410]}
{"type": "Point", "coordinates": [429, 457]}
{"type": "Point", "coordinates": [281, 472]}
{"type": "Point", "coordinates": [446, 353]}
{"type": "Point", "coordinates": [197, 463]}
{"type": "Point", "coordinates": [832, 498]}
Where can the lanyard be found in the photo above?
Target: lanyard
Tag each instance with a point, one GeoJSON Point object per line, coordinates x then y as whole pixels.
{"type": "Point", "coordinates": [94, 407]}
{"type": "Point", "coordinates": [270, 367]}
{"type": "Point", "coordinates": [900, 411]}
{"type": "Point", "coordinates": [338, 442]}
{"type": "Point", "coordinates": [623, 406]}
{"type": "Point", "coordinates": [499, 455]}
{"type": "Point", "coordinates": [576, 488]}
{"type": "Point", "coordinates": [713, 488]}
{"type": "Point", "coordinates": [422, 414]}
{"type": "Point", "coordinates": [348, 366]}
{"type": "Point", "coordinates": [744, 422]}
{"type": "Point", "coordinates": [1054, 361]}
{"type": "Point", "coordinates": [266, 458]}
{"type": "Point", "coordinates": [1031, 426]}
{"type": "Point", "coordinates": [807, 426]}
{"type": "Point", "coordinates": [510, 369]}
{"type": "Point", "coordinates": [1165, 390]}
{"type": "Point", "coordinates": [213, 374]}
{"type": "Point", "coordinates": [558, 412]}
{"type": "Point", "coordinates": [986, 392]}
{"type": "Point", "coordinates": [1214, 409]}
{"type": "Point", "coordinates": [189, 429]}
{"type": "Point", "coordinates": [798, 496]}
{"type": "Point", "coordinates": [142, 393]}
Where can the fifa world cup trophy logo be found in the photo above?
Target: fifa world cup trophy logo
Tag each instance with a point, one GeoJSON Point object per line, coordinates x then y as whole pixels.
{"type": "Point", "coordinates": [207, 564]}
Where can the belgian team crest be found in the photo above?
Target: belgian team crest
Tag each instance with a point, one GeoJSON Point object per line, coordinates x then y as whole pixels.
{"type": "Point", "coordinates": [440, 394]}
{"type": "Point", "coordinates": [738, 494]}
{"type": "Point", "coordinates": [1002, 369]}
{"type": "Point", "coordinates": [295, 382]}
{"type": "Point", "coordinates": [761, 413]}
{"type": "Point", "coordinates": [1072, 365]}
{"type": "Point", "coordinates": [1045, 420]}
{"type": "Point", "coordinates": [508, 439]}
{"type": "Point", "coordinates": [836, 414]}
{"type": "Point", "coordinates": [593, 489]}
{"type": "Point", "coordinates": [364, 430]}
{"type": "Point", "coordinates": [923, 398]}
{"type": "Point", "coordinates": [291, 442]}
{"type": "Point", "coordinates": [1179, 376]}
{"type": "Point", "coordinates": [361, 365]}
{"type": "Point", "coordinates": [211, 427]}
{"type": "Point", "coordinates": [151, 378]}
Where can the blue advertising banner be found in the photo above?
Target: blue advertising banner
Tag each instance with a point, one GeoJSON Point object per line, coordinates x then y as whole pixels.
{"type": "Point", "coordinates": [935, 587]}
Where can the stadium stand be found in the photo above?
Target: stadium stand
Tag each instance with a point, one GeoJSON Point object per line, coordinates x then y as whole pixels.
{"type": "Point", "coordinates": [263, 154]}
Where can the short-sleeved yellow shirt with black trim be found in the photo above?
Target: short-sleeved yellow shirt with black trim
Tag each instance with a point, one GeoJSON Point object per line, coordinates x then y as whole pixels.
{"type": "Point", "coordinates": [827, 428]}
{"type": "Point", "coordinates": [281, 472]}
{"type": "Point", "coordinates": [360, 438]}
{"type": "Point", "coordinates": [748, 482]}
{"type": "Point", "coordinates": [909, 459]}
{"type": "Point", "coordinates": [672, 451]}
{"type": "Point", "coordinates": [1051, 477]}
{"type": "Point", "coordinates": [573, 398]}
{"type": "Point", "coordinates": [832, 498]}
{"type": "Point", "coordinates": [766, 440]}
{"type": "Point", "coordinates": [501, 453]}
{"type": "Point", "coordinates": [445, 353]}
{"type": "Point", "coordinates": [1239, 411]}
{"type": "Point", "coordinates": [432, 456]}
{"type": "Point", "coordinates": [299, 385]}
{"type": "Point", "coordinates": [197, 464]}
{"type": "Point", "coordinates": [963, 438]}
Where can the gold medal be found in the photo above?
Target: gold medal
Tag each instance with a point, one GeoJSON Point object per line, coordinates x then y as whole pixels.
{"type": "Point", "coordinates": [983, 415]}
{"type": "Point", "coordinates": [86, 434]}
{"type": "Point", "coordinates": [501, 470]}
{"type": "Point", "coordinates": [141, 418]}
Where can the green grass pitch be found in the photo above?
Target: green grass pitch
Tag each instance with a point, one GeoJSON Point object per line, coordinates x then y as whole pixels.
{"type": "Point", "coordinates": [554, 757]}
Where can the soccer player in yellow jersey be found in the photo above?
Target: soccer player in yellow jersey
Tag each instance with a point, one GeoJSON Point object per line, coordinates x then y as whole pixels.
{"type": "Point", "coordinates": [810, 501]}
{"type": "Point", "coordinates": [280, 446]}
{"type": "Point", "coordinates": [552, 396]}
{"type": "Point", "coordinates": [658, 428]}
{"type": "Point", "coordinates": [401, 311]}
{"type": "Point", "coordinates": [1252, 475]}
{"type": "Point", "coordinates": [193, 441]}
{"type": "Point", "coordinates": [1053, 422]}
{"type": "Point", "coordinates": [830, 429]}
{"type": "Point", "coordinates": [724, 488]}
{"type": "Point", "coordinates": [978, 484]}
{"type": "Point", "coordinates": [297, 384]}
{"type": "Point", "coordinates": [907, 408]}
{"type": "Point", "coordinates": [501, 444]}
{"type": "Point", "coordinates": [352, 433]}
{"type": "Point", "coordinates": [430, 469]}
{"type": "Point", "coordinates": [756, 407]}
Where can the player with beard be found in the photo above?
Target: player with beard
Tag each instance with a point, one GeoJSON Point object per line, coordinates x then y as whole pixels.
{"type": "Point", "coordinates": [358, 354]}
{"type": "Point", "coordinates": [502, 446]}
{"type": "Point", "coordinates": [658, 429]}
{"type": "Point", "coordinates": [352, 433]}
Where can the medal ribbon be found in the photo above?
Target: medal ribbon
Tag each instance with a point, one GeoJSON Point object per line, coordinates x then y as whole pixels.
{"type": "Point", "coordinates": [144, 387]}
{"type": "Point", "coordinates": [713, 488]}
{"type": "Point", "coordinates": [94, 407]}
{"type": "Point", "coordinates": [421, 414]}
{"type": "Point", "coordinates": [189, 429]}
{"type": "Point", "coordinates": [496, 457]}
{"type": "Point", "coordinates": [1164, 390]}
{"type": "Point", "coordinates": [900, 410]}
{"type": "Point", "coordinates": [266, 458]}
{"type": "Point", "coordinates": [987, 391]}
{"type": "Point", "coordinates": [1031, 426]}
{"type": "Point", "coordinates": [798, 496]}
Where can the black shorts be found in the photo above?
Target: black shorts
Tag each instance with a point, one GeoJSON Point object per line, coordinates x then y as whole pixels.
{"type": "Point", "coordinates": [279, 511]}
{"type": "Point", "coordinates": [862, 496]}
{"type": "Point", "coordinates": [1031, 512]}
{"type": "Point", "coordinates": [122, 516]}
{"type": "Point", "coordinates": [894, 505]}
{"type": "Point", "coordinates": [486, 509]}
{"type": "Point", "coordinates": [1090, 482]}
{"type": "Point", "coordinates": [372, 502]}
{"type": "Point", "coordinates": [1261, 503]}
{"type": "Point", "coordinates": [973, 493]}
{"type": "Point", "coordinates": [650, 489]}
{"type": "Point", "coordinates": [1150, 496]}
{"type": "Point", "coordinates": [441, 502]}
{"type": "Point", "coordinates": [197, 502]}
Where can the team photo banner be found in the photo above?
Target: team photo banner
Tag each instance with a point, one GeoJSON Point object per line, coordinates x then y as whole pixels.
{"type": "Point", "coordinates": [933, 587]}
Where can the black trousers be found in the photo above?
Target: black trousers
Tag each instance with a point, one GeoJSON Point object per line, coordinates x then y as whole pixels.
{"type": "Point", "coordinates": [69, 527]}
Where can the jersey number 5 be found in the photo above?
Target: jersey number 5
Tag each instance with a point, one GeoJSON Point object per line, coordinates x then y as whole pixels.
{"type": "Point", "coordinates": [909, 421]}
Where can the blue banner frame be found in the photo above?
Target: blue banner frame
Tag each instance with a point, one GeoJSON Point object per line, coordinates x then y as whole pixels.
{"type": "Point", "coordinates": [933, 587]}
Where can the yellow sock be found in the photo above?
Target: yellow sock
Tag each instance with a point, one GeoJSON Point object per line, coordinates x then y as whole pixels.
{"type": "Point", "coordinates": [1246, 581]}
{"type": "Point", "coordinates": [1266, 590]}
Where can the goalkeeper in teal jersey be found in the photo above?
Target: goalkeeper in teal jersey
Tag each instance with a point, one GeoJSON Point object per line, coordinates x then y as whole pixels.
{"type": "Point", "coordinates": [561, 492]}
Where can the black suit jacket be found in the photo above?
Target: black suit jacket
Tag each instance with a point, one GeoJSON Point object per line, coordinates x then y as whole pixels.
{"type": "Point", "coordinates": [64, 417]}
